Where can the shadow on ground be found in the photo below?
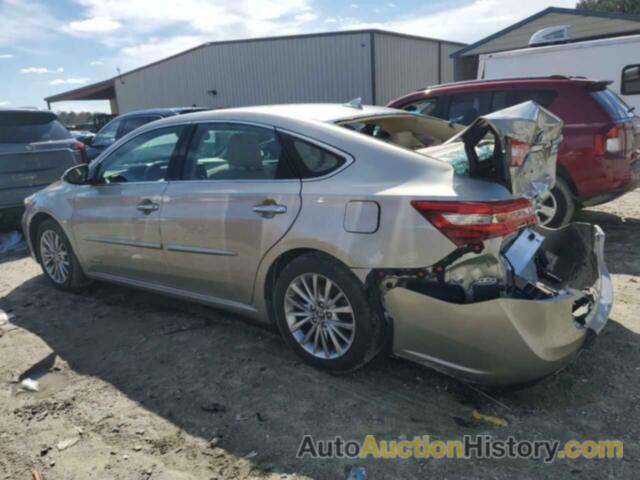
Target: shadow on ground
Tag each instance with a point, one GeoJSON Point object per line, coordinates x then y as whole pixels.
{"type": "Point", "coordinates": [178, 359]}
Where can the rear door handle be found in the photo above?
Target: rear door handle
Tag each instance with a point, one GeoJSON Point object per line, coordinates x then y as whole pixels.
{"type": "Point", "coordinates": [147, 206]}
{"type": "Point", "coordinates": [269, 210]}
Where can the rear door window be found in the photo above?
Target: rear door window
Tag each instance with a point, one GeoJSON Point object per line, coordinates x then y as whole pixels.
{"type": "Point", "coordinates": [630, 80]}
{"type": "Point", "coordinates": [229, 152]}
{"type": "Point", "coordinates": [29, 127]}
{"type": "Point", "coordinates": [612, 104]}
{"type": "Point", "coordinates": [466, 107]}
{"type": "Point", "coordinates": [543, 98]}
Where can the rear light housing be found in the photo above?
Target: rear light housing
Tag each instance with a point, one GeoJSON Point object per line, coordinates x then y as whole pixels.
{"type": "Point", "coordinates": [466, 223]}
{"type": "Point", "coordinates": [610, 142]}
{"type": "Point", "coordinates": [519, 151]}
{"type": "Point", "coordinates": [82, 149]}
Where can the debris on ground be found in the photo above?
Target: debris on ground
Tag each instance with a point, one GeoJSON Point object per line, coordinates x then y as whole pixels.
{"type": "Point", "coordinates": [36, 475]}
{"type": "Point", "coordinates": [68, 443]}
{"type": "Point", "coordinates": [491, 419]}
{"type": "Point", "coordinates": [11, 242]}
{"type": "Point", "coordinates": [29, 385]}
{"type": "Point", "coordinates": [357, 473]}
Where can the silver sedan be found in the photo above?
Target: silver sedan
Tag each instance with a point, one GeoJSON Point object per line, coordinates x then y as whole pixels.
{"type": "Point", "coordinates": [354, 229]}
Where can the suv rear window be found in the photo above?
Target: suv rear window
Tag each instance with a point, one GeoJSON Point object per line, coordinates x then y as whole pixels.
{"type": "Point", "coordinates": [28, 127]}
{"type": "Point", "coordinates": [612, 104]}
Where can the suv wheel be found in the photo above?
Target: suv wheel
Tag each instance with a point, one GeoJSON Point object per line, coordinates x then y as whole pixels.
{"type": "Point", "coordinates": [557, 207]}
{"type": "Point", "coordinates": [323, 313]}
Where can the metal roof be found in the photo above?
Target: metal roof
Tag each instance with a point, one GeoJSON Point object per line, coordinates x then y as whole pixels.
{"type": "Point", "coordinates": [103, 90]}
{"type": "Point", "coordinates": [546, 11]}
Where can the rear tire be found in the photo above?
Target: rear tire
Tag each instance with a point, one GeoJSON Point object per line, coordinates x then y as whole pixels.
{"type": "Point", "coordinates": [559, 207]}
{"type": "Point", "coordinates": [57, 259]}
{"type": "Point", "coordinates": [323, 313]}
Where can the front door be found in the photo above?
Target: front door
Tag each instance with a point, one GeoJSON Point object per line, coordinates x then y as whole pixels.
{"type": "Point", "coordinates": [116, 221]}
{"type": "Point", "coordinates": [236, 199]}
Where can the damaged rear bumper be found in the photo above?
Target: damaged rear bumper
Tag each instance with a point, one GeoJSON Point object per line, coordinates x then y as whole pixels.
{"type": "Point", "coordinates": [511, 339]}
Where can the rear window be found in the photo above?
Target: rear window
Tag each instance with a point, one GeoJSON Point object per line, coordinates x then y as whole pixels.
{"type": "Point", "coordinates": [630, 80]}
{"type": "Point", "coordinates": [28, 127]}
{"type": "Point", "coordinates": [612, 104]}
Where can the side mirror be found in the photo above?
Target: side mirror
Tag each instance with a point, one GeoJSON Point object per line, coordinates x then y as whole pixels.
{"type": "Point", "coordinates": [77, 175]}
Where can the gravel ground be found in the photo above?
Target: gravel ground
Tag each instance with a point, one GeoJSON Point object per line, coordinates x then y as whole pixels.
{"type": "Point", "coordinates": [138, 385]}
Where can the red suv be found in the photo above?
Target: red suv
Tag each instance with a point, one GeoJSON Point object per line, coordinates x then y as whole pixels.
{"type": "Point", "coordinates": [598, 159]}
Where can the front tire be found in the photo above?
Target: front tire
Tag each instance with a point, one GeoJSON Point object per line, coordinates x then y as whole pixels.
{"type": "Point", "coordinates": [57, 259]}
{"type": "Point", "coordinates": [323, 313]}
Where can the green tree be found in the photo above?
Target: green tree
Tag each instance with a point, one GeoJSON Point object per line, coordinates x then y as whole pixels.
{"type": "Point", "coordinates": [610, 6]}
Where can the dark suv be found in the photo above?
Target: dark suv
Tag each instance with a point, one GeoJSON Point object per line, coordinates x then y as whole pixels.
{"type": "Point", "coordinates": [35, 150]}
{"type": "Point", "coordinates": [127, 122]}
{"type": "Point", "coordinates": [598, 159]}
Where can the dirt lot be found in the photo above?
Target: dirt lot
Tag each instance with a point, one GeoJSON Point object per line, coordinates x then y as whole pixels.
{"type": "Point", "coordinates": [144, 383]}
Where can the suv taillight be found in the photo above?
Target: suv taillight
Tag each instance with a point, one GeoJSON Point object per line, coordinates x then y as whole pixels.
{"type": "Point", "coordinates": [82, 149]}
{"type": "Point", "coordinates": [610, 142]}
{"type": "Point", "coordinates": [468, 222]}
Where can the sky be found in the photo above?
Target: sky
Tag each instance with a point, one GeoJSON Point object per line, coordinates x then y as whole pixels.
{"type": "Point", "coordinates": [48, 47]}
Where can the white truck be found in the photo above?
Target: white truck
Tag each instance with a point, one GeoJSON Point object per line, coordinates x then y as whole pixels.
{"type": "Point", "coordinates": [616, 59]}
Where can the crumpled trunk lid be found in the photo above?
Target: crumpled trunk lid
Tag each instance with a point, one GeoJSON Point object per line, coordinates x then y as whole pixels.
{"type": "Point", "coordinates": [516, 147]}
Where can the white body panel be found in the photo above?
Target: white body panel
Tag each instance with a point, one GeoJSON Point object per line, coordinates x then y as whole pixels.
{"type": "Point", "coordinates": [596, 59]}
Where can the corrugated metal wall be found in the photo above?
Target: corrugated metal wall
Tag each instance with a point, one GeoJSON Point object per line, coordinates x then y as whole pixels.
{"type": "Point", "coordinates": [404, 64]}
{"type": "Point", "coordinates": [323, 68]}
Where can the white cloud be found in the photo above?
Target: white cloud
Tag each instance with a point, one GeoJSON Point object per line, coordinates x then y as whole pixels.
{"type": "Point", "coordinates": [158, 48]}
{"type": "Point", "coordinates": [354, 5]}
{"type": "Point", "coordinates": [37, 70]}
{"type": "Point", "coordinates": [59, 70]}
{"type": "Point", "coordinates": [69, 81]}
{"type": "Point", "coordinates": [22, 22]}
{"type": "Point", "coordinates": [391, 5]}
{"type": "Point", "coordinates": [5, 56]}
{"type": "Point", "coordinates": [93, 25]}
{"type": "Point", "coordinates": [95, 63]}
{"type": "Point", "coordinates": [4, 103]}
{"type": "Point", "coordinates": [306, 17]}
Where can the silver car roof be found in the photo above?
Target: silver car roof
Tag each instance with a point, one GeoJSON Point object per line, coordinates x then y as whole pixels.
{"type": "Point", "coordinates": [319, 112]}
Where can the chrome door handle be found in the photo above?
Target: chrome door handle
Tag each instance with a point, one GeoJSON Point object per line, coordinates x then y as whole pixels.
{"type": "Point", "coordinates": [269, 210]}
{"type": "Point", "coordinates": [147, 207]}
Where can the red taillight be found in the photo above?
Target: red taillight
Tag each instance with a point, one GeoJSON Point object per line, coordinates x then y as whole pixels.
{"type": "Point", "coordinates": [610, 142]}
{"type": "Point", "coordinates": [82, 149]}
{"type": "Point", "coordinates": [519, 151]}
{"type": "Point", "coordinates": [468, 222]}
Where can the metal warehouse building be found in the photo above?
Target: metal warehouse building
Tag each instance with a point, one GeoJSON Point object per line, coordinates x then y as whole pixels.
{"type": "Point", "coordinates": [583, 25]}
{"type": "Point", "coordinates": [326, 67]}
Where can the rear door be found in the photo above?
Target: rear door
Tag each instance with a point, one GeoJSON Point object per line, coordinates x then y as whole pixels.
{"type": "Point", "coordinates": [116, 220]}
{"type": "Point", "coordinates": [35, 149]}
{"type": "Point", "coordinates": [236, 198]}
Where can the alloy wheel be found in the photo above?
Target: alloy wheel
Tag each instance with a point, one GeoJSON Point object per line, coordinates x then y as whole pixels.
{"type": "Point", "coordinates": [546, 208]}
{"type": "Point", "coordinates": [319, 316]}
{"type": "Point", "coordinates": [55, 256]}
